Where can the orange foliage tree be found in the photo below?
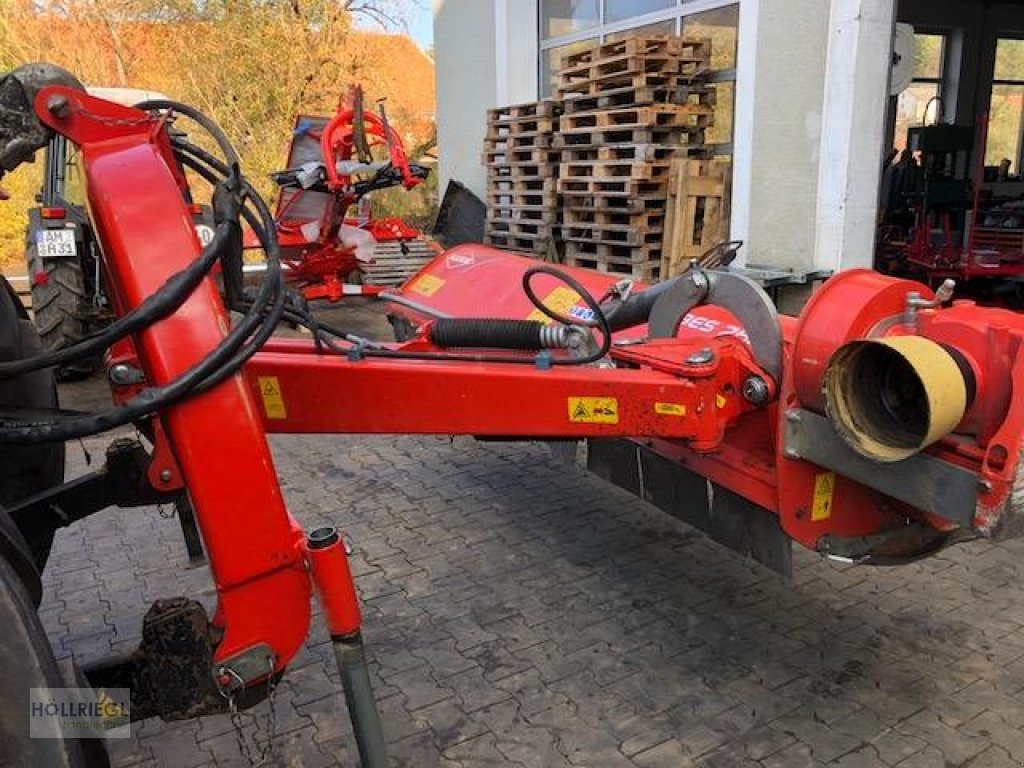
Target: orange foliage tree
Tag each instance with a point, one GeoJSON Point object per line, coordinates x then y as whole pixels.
{"type": "Point", "coordinates": [251, 65]}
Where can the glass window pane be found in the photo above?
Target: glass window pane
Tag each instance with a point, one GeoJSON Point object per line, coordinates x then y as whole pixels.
{"type": "Point", "coordinates": [1010, 60]}
{"type": "Point", "coordinates": [551, 61]}
{"type": "Point", "coordinates": [620, 10]}
{"type": "Point", "coordinates": [661, 28]}
{"type": "Point", "coordinates": [929, 53]}
{"type": "Point", "coordinates": [720, 26]}
{"type": "Point", "coordinates": [563, 17]}
{"type": "Point", "coordinates": [910, 110]}
{"type": "Point", "coordinates": [1005, 126]}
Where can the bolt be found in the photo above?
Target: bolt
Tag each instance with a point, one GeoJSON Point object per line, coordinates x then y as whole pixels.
{"type": "Point", "coordinates": [755, 390]}
{"type": "Point", "coordinates": [58, 106]}
{"type": "Point", "coordinates": [703, 357]}
{"type": "Point", "coordinates": [165, 476]}
{"type": "Point", "coordinates": [985, 486]}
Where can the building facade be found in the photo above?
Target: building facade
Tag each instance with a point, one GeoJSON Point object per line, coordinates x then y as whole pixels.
{"type": "Point", "coordinates": [802, 94]}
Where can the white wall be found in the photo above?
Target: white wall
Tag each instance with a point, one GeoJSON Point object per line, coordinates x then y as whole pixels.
{"type": "Point", "coordinates": [779, 90]}
{"type": "Point", "coordinates": [466, 87]}
{"type": "Point", "coordinates": [487, 55]}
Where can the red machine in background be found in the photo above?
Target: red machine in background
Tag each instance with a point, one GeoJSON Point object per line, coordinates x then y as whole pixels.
{"type": "Point", "coordinates": [333, 164]}
{"type": "Point", "coordinates": [941, 220]}
{"type": "Point", "coordinates": [878, 426]}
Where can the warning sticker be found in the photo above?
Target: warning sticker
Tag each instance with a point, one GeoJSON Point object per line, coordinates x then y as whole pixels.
{"type": "Point", "coordinates": [273, 401]}
{"type": "Point", "coordinates": [593, 410]}
{"type": "Point", "coordinates": [562, 301]}
{"type": "Point", "coordinates": [426, 285]}
{"type": "Point", "coordinates": [670, 409]}
{"type": "Point", "coordinates": [824, 486]}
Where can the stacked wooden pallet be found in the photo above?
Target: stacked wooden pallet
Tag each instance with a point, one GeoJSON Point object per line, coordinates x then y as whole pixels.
{"type": "Point", "coordinates": [395, 261]}
{"type": "Point", "coordinates": [630, 108]}
{"type": "Point", "coordinates": [522, 169]}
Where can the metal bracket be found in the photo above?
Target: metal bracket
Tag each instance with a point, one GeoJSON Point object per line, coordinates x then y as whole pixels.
{"type": "Point", "coordinates": [924, 482]}
{"type": "Point", "coordinates": [740, 296]}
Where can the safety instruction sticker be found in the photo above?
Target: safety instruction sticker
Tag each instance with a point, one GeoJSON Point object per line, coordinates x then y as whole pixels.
{"type": "Point", "coordinates": [427, 285]}
{"type": "Point", "coordinates": [562, 301]}
{"type": "Point", "coordinates": [273, 401]}
{"type": "Point", "coordinates": [593, 410]}
{"type": "Point", "coordinates": [824, 486]}
{"type": "Point", "coordinates": [670, 409]}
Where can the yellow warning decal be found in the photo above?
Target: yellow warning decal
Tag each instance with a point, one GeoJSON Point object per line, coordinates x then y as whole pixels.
{"type": "Point", "coordinates": [273, 401]}
{"type": "Point", "coordinates": [670, 409]}
{"type": "Point", "coordinates": [720, 401]}
{"type": "Point", "coordinates": [824, 485]}
{"type": "Point", "coordinates": [561, 300]}
{"type": "Point", "coordinates": [593, 410]}
{"type": "Point", "coordinates": [427, 285]}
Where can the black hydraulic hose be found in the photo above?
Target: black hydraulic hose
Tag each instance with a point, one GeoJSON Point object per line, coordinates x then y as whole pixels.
{"type": "Point", "coordinates": [487, 332]}
{"type": "Point", "coordinates": [243, 341]}
{"type": "Point", "coordinates": [155, 307]}
{"type": "Point", "coordinates": [635, 310]}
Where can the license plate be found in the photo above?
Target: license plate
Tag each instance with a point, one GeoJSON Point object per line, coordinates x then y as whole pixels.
{"type": "Point", "coordinates": [56, 242]}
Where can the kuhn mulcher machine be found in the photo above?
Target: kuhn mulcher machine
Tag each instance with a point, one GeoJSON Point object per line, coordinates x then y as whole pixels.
{"type": "Point", "coordinates": [878, 426]}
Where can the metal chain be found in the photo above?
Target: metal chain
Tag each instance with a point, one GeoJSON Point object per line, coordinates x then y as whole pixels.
{"type": "Point", "coordinates": [115, 121]}
{"type": "Point", "coordinates": [253, 753]}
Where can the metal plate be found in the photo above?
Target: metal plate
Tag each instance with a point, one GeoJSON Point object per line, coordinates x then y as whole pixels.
{"type": "Point", "coordinates": [924, 482]}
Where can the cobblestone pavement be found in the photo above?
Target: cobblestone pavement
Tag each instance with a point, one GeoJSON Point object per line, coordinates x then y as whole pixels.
{"type": "Point", "coordinates": [524, 613]}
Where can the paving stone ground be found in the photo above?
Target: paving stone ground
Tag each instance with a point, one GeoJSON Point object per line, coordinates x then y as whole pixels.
{"type": "Point", "coordinates": [520, 612]}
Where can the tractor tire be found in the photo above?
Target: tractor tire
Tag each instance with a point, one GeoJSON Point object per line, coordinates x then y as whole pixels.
{"type": "Point", "coordinates": [27, 661]}
{"type": "Point", "coordinates": [56, 307]}
{"type": "Point", "coordinates": [26, 469]}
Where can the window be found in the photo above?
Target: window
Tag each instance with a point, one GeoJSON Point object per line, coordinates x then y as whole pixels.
{"type": "Point", "coordinates": [566, 17]}
{"type": "Point", "coordinates": [920, 103]}
{"type": "Point", "coordinates": [568, 25]}
{"type": "Point", "coordinates": [1006, 110]}
{"type": "Point", "coordinates": [619, 10]}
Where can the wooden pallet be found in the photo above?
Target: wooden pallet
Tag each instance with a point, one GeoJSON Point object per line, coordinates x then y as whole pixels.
{"type": "Point", "coordinates": [617, 153]}
{"type": "Point", "coordinates": [540, 126]}
{"type": "Point", "coordinates": [543, 215]}
{"type": "Point", "coordinates": [647, 271]}
{"type": "Point", "coordinates": [543, 199]}
{"type": "Point", "coordinates": [591, 234]}
{"type": "Point", "coordinates": [632, 96]}
{"type": "Point", "coordinates": [395, 262]}
{"type": "Point", "coordinates": [535, 244]}
{"type": "Point", "coordinates": [655, 117]}
{"type": "Point", "coordinates": [626, 80]}
{"type": "Point", "coordinates": [613, 203]}
{"type": "Point", "coordinates": [619, 187]}
{"type": "Point", "coordinates": [599, 137]}
{"type": "Point", "coordinates": [664, 45]}
{"type": "Point", "coordinates": [698, 211]}
{"type": "Point", "coordinates": [518, 227]}
{"type": "Point", "coordinates": [534, 110]}
{"type": "Point", "coordinates": [614, 169]}
{"type": "Point", "coordinates": [518, 143]}
{"type": "Point", "coordinates": [522, 173]}
{"type": "Point", "coordinates": [520, 156]}
{"type": "Point", "coordinates": [644, 220]}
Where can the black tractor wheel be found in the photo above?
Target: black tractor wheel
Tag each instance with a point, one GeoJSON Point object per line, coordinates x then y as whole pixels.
{"type": "Point", "coordinates": [26, 661]}
{"type": "Point", "coordinates": [26, 469]}
{"type": "Point", "coordinates": [57, 305]}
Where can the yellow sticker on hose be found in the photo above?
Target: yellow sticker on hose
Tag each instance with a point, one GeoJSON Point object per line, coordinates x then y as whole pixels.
{"type": "Point", "coordinates": [593, 410]}
{"type": "Point", "coordinates": [273, 400]}
{"type": "Point", "coordinates": [427, 285]}
{"type": "Point", "coordinates": [824, 486]}
{"type": "Point", "coordinates": [670, 409]}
